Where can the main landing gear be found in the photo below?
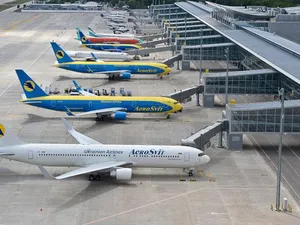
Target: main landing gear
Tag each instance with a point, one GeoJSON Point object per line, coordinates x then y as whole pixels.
{"type": "Point", "coordinates": [190, 172]}
{"type": "Point", "coordinates": [169, 116]}
{"type": "Point", "coordinates": [93, 177]}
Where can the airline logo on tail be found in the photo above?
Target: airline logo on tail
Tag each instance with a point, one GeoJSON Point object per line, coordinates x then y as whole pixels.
{"type": "Point", "coordinates": [83, 39]}
{"type": "Point", "coordinates": [2, 130]}
{"type": "Point", "coordinates": [29, 86]}
{"type": "Point", "coordinates": [60, 54]}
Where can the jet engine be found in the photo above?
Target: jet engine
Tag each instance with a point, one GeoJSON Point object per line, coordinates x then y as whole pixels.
{"type": "Point", "coordinates": [126, 75]}
{"type": "Point", "coordinates": [119, 116]}
{"type": "Point", "coordinates": [122, 174]}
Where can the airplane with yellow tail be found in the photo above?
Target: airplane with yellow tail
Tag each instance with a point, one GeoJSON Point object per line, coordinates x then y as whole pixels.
{"type": "Point", "coordinates": [115, 107]}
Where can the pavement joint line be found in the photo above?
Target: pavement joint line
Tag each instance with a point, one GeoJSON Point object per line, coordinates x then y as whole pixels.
{"type": "Point", "coordinates": [273, 172]}
{"type": "Point", "coordinates": [27, 68]}
{"type": "Point", "coordinates": [144, 206]}
{"type": "Point", "coordinates": [223, 204]}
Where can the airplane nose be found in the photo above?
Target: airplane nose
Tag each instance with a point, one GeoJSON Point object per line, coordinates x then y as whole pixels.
{"type": "Point", "coordinates": [204, 159]}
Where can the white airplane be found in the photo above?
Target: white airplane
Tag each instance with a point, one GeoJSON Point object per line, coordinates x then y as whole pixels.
{"type": "Point", "coordinates": [94, 34]}
{"type": "Point", "coordinates": [94, 158]}
{"type": "Point", "coordinates": [101, 54]}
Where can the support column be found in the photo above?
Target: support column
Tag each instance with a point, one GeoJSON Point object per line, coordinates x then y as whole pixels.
{"type": "Point", "coordinates": [235, 141]}
{"type": "Point", "coordinates": [185, 65]}
{"type": "Point", "coordinates": [220, 143]}
{"type": "Point", "coordinates": [197, 99]}
{"type": "Point", "coordinates": [208, 100]}
{"type": "Point", "coordinates": [178, 68]}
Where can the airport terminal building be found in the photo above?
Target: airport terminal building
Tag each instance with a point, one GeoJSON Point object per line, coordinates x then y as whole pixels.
{"type": "Point", "coordinates": [257, 62]}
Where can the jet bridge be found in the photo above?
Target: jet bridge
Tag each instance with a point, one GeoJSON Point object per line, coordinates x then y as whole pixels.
{"type": "Point", "coordinates": [147, 51]}
{"type": "Point", "coordinates": [151, 44]}
{"type": "Point", "coordinates": [201, 139]}
{"type": "Point", "coordinates": [170, 61]}
{"type": "Point", "coordinates": [152, 37]}
{"type": "Point", "coordinates": [185, 95]}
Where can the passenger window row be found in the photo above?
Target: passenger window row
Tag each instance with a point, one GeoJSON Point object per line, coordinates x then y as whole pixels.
{"type": "Point", "coordinates": [75, 155]}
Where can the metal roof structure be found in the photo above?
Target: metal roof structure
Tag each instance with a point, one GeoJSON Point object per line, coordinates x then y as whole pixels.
{"type": "Point", "coordinates": [263, 105]}
{"type": "Point", "coordinates": [192, 31]}
{"type": "Point", "coordinates": [240, 73]}
{"type": "Point", "coordinates": [278, 58]}
{"type": "Point", "coordinates": [254, 13]}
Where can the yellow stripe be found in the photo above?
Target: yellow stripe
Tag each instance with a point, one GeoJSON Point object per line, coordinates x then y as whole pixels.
{"type": "Point", "coordinates": [104, 98]}
{"type": "Point", "coordinates": [117, 45]}
{"type": "Point", "coordinates": [118, 63]}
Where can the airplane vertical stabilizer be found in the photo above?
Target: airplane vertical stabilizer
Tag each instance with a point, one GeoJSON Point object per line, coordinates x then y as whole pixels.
{"type": "Point", "coordinates": [60, 54]}
{"type": "Point", "coordinates": [82, 37]}
{"type": "Point", "coordinates": [31, 89]}
{"type": "Point", "coordinates": [7, 138]}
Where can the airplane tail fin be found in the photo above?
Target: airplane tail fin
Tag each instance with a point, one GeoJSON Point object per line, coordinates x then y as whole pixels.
{"type": "Point", "coordinates": [60, 54]}
{"type": "Point", "coordinates": [7, 138]}
{"type": "Point", "coordinates": [82, 37]}
{"type": "Point", "coordinates": [31, 89]}
{"type": "Point", "coordinates": [92, 32]}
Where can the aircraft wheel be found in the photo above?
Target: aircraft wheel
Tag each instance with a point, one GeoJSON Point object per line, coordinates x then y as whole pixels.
{"type": "Point", "coordinates": [168, 116]}
{"type": "Point", "coordinates": [191, 174]}
{"type": "Point", "coordinates": [97, 118]}
{"type": "Point", "coordinates": [161, 77]}
{"type": "Point", "coordinates": [91, 177]}
{"type": "Point", "coordinates": [97, 177]}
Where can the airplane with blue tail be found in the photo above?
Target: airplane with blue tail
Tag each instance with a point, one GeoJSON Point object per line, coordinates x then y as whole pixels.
{"type": "Point", "coordinates": [105, 47]}
{"type": "Point", "coordinates": [115, 107]}
{"type": "Point", "coordinates": [112, 69]}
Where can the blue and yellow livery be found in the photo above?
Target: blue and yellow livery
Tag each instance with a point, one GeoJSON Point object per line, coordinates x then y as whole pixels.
{"type": "Point", "coordinates": [103, 106]}
{"type": "Point", "coordinates": [112, 69]}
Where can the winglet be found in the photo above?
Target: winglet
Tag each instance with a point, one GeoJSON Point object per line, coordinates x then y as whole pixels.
{"type": "Point", "coordinates": [78, 88]}
{"type": "Point", "coordinates": [82, 139]}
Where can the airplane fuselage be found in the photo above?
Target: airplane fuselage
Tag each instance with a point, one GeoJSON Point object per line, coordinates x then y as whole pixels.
{"type": "Point", "coordinates": [132, 67]}
{"type": "Point", "coordinates": [101, 47]}
{"type": "Point", "coordinates": [89, 103]}
{"type": "Point", "coordinates": [155, 156]}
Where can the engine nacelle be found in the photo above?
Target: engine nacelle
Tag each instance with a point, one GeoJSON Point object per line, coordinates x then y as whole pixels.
{"type": "Point", "coordinates": [126, 75]}
{"type": "Point", "coordinates": [122, 174]}
{"type": "Point", "coordinates": [119, 116]}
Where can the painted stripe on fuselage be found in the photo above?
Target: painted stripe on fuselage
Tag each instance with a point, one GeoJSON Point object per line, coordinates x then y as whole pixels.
{"type": "Point", "coordinates": [133, 67]}
{"type": "Point", "coordinates": [89, 103]}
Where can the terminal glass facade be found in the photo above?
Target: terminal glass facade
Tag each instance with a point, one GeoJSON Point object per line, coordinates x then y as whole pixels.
{"type": "Point", "coordinates": [212, 39]}
{"type": "Point", "coordinates": [250, 84]}
{"type": "Point", "coordinates": [211, 53]}
{"type": "Point", "coordinates": [191, 33]}
{"type": "Point", "coordinates": [265, 120]}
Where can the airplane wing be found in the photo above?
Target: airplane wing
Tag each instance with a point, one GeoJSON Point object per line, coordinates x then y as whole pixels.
{"type": "Point", "coordinates": [82, 139]}
{"type": "Point", "coordinates": [81, 91]}
{"type": "Point", "coordinates": [106, 111]}
{"type": "Point", "coordinates": [91, 168]}
{"type": "Point", "coordinates": [117, 72]}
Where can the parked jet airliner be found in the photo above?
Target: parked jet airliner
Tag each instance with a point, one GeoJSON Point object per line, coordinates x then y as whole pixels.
{"type": "Point", "coordinates": [115, 107]}
{"type": "Point", "coordinates": [94, 158]}
{"type": "Point", "coordinates": [112, 69]}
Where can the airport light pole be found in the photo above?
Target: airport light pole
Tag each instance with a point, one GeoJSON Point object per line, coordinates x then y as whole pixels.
{"type": "Point", "coordinates": [226, 80]}
{"type": "Point", "coordinates": [200, 63]}
{"type": "Point", "coordinates": [281, 96]}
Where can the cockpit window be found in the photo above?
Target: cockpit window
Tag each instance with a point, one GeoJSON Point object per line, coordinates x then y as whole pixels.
{"type": "Point", "coordinates": [201, 154]}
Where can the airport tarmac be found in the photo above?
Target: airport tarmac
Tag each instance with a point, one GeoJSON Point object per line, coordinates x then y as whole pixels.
{"type": "Point", "coordinates": [234, 188]}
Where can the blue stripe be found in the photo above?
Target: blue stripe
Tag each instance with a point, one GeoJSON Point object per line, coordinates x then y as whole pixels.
{"type": "Point", "coordinates": [85, 106]}
{"type": "Point", "coordinates": [93, 68]}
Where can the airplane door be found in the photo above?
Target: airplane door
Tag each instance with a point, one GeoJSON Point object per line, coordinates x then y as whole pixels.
{"type": "Point", "coordinates": [187, 156]}
{"type": "Point", "coordinates": [90, 104]}
{"type": "Point", "coordinates": [30, 154]}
